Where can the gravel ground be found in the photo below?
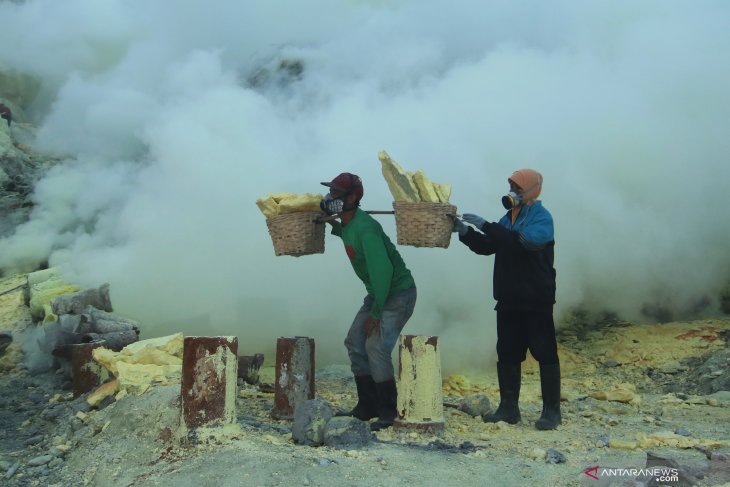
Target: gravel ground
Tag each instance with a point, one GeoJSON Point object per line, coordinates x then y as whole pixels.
{"type": "Point", "coordinates": [678, 407]}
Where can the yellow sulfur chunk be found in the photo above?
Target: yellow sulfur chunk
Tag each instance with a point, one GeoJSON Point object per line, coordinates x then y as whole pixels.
{"type": "Point", "coordinates": [300, 202]}
{"type": "Point", "coordinates": [102, 392]}
{"type": "Point", "coordinates": [141, 363]}
{"type": "Point", "coordinates": [268, 206]}
{"type": "Point", "coordinates": [426, 189]}
{"type": "Point", "coordinates": [443, 190]}
{"type": "Point", "coordinates": [278, 197]}
{"type": "Point", "coordinates": [399, 181]}
{"type": "Point", "coordinates": [412, 187]}
{"type": "Point", "coordinates": [281, 203]}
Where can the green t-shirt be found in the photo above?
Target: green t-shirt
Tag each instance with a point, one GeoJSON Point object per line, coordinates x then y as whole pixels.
{"type": "Point", "coordinates": [375, 259]}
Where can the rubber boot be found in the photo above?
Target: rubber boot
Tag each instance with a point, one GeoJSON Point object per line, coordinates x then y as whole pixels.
{"type": "Point", "coordinates": [510, 378]}
{"type": "Point", "coordinates": [387, 400]}
{"type": "Point", "coordinates": [550, 385]}
{"type": "Point", "coordinates": [367, 399]}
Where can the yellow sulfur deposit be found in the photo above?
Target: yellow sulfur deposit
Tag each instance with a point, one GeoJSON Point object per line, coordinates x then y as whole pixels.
{"type": "Point", "coordinates": [141, 363]}
{"type": "Point", "coordinates": [102, 392]}
{"type": "Point", "coordinates": [282, 203]}
{"type": "Point", "coordinates": [44, 286]}
{"type": "Point", "coordinates": [412, 187]}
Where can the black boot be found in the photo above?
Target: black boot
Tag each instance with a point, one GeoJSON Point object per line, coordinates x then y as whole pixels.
{"type": "Point", "coordinates": [550, 385]}
{"type": "Point", "coordinates": [367, 399]}
{"type": "Point", "coordinates": [387, 400]}
{"type": "Point", "coordinates": [510, 378]}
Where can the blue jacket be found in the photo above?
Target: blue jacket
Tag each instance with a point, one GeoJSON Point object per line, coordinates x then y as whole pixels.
{"type": "Point", "coordinates": [524, 276]}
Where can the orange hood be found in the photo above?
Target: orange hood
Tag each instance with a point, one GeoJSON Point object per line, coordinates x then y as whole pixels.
{"type": "Point", "coordinates": [531, 183]}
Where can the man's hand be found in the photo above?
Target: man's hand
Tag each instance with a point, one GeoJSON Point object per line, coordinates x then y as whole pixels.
{"type": "Point", "coordinates": [475, 220]}
{"type": "Point", "coordinates": [371, 325]}
{"type": "Point", "coordinates": [460, 227]}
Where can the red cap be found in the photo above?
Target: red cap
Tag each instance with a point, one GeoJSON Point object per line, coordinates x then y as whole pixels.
{"type": "Point", "coordinates": [347, 183]}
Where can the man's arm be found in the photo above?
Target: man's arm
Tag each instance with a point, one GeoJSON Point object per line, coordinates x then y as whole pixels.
{"type": "Point", "coordinates": [478, 242]}
{"type": "Point", "coordinates": [380, 271]}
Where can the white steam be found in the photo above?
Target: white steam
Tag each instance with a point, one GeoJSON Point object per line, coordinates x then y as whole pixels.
{"type": "Point", "coordinates": [176, 116]}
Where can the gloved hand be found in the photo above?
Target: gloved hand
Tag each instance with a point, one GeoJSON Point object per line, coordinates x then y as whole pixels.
{"type": "Point", "coordinates": [475, 220]}
{"type": "Point", "coordinates": [460, 227]}
{"type": "Point", "coordinates": [371, 326]}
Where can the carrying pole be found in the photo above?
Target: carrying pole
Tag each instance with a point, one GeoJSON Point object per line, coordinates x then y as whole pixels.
{"type": "Point", "coordinates": [370, 212]}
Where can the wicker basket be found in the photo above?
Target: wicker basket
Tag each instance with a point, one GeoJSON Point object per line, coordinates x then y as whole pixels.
{"type": "Point", "coordinates": [424, 224]}
{"type": "Point", "coordinates": [296, 233]}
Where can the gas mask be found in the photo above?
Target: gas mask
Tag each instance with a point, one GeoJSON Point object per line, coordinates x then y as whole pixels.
{"type": "Point", "coordinates": [332, 205]}
{"type": "Point", "coordinates": [511, 200]}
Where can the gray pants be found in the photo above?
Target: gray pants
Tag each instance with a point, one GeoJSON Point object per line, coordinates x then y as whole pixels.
{"type": "Point", "coordinates": [372, 355]}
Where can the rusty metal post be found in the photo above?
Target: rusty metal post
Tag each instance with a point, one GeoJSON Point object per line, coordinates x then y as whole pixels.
{"type": "Point", "coordinates": [294, 375]}
{"type": "Point", "coordinates": [86, 374]}
{"type": "Point", "coordinates": [209, 380]}
{"type": "Point", "coordinates": [420, 397]}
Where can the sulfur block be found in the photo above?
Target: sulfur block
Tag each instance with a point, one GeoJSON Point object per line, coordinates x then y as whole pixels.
{"type": "Point", "coordinates": [399, 181]}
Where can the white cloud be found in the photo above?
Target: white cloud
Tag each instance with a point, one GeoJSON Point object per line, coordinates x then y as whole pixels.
{"type": "Point", "coordinates": [622, 106]}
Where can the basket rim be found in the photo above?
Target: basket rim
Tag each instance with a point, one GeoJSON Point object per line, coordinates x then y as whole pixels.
{"type": "Point", "coordinates": [294, 214]}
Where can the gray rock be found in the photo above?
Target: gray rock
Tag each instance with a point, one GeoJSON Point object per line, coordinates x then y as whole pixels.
{"type": "Point", "coordinates": [11, 471]}
{"type": "Point", "coordinates": [706, 377]}
{"type": "Point", "coordinates": [310, 419]}
{"type": "Point", "coordinates": [673, 368]}
{"type": "Point", "coordinates": [39, 471]}
{"type": "Point", "coordinates": [722, 396]}
{"type": "Point", "coordinates": [81, 405]}
{"type": "Point", "coordinates": [554, 456]}
{"type": "Point", "coordinates": [41, 460]}
{"type": "Point", "coordinates": [686, 476]}
{"type": "Point", "coordinates": [475, 405]}
{"type": "Point", "coordinates": [34, 440]}
{"type": "Point", "coordinates": [347, 432]}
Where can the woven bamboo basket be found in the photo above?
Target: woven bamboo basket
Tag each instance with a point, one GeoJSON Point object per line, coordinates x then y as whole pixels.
{"type": "Point", "coordinates": [424, 224]}
{"type": "Point", "coordinates": [296, 233]}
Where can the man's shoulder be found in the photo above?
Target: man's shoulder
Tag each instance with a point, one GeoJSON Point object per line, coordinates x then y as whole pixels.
{"type": "Point", "coordinates": [540, 210]}
{"type": "Point", "coordinates": [366, 222]}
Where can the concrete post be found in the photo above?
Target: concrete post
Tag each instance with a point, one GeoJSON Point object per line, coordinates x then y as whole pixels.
{"type": "Point", "coordinates": [209, 380]}
{"type": "Point", "coordinates": [294, 375]}
{"type": "Point", "coordinates": [420, 397]}
{"type": "Point", "coordinates": [86, 374]}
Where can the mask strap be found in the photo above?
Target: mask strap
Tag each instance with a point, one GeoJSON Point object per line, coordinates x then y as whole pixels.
{"type": "Point", "coordinates": [536, 185]}
{"type": "Point", "coordinates": [352, 182]}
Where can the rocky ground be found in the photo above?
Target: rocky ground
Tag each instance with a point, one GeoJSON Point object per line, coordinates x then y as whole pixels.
{"type": "Point", "coordinates": [630, 392]}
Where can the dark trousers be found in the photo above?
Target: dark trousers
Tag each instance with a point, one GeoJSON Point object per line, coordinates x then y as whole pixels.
{"type": "Point", "coordinates": [518, 331]}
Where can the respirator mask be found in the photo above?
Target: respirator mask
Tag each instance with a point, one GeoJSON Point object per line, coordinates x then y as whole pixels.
{"type": "Point", "coordinates": [332, 205]}
{"type": "Point", "coordinates": [511, 200]}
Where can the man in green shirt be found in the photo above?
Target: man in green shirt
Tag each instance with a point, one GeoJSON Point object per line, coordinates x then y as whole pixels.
{"type": "Point", "coordinates": [389, 303]}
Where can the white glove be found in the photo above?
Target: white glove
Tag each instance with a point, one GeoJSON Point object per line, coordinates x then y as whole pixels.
{"type": "Point", "coordinates": [475, 220]}
{"type": "Point", "coordinates": [460, 227]}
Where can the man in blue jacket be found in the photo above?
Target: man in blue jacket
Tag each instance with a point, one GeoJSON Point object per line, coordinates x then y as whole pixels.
{"type": "Point", "coordinates": [524, 288]}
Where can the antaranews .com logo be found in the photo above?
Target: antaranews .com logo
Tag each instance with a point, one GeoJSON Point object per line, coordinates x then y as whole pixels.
{"type": "Point", "coordinates": [659, 474]}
